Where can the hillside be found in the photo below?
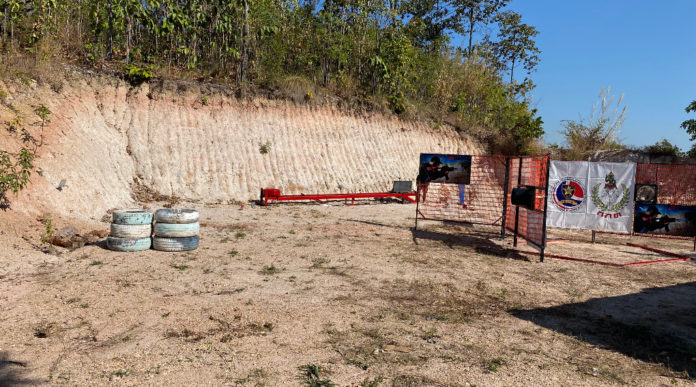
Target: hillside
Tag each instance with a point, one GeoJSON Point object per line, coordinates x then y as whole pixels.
{"type": "Point", "coordinates": [196, 142]}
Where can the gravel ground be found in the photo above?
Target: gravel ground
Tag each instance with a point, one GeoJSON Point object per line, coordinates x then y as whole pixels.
{"type": "Point", "coordinates": [352, 295]}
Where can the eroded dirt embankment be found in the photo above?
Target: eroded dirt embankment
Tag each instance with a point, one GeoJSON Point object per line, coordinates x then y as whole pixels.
{"type": "Point", "coordinates": [105, 135]}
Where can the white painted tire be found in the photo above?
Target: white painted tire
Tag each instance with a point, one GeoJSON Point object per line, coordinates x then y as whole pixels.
{"type": "Point", "coordinates": [132, 231]}
{"type": "Point", "coordinates": [175, 244]}
{"type": "Point", "coordinates": [176, 215]}
{"type": "Point", "coordinates": [126, 244]}
{"type": "Point", "coordinates": [132, 216]}
{"type": "Point", "coordinates": [181, 230]}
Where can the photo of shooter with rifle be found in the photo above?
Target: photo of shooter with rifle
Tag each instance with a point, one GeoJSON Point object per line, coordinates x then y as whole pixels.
{"type": "Point", "coordinates": [664, 219]}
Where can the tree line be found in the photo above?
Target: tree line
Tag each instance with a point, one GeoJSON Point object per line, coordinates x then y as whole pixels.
{"type": "Point", "coordinates": [400, 52]}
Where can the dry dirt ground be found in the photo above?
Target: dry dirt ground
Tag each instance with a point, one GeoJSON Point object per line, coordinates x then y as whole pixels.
{"type": "Point", "coordinates": [349, 295]}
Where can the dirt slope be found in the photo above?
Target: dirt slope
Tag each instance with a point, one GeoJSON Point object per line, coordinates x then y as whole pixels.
{"type": "Point", "coordinates": [105, 134]}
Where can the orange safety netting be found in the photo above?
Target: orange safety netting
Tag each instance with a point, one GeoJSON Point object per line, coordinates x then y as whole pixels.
{"type": "Point", "coordinates": [676, 183]}
{"type": "Point", "coordinates": [528, 171]}
{"type": "Point", "coordinates": [480, 202]}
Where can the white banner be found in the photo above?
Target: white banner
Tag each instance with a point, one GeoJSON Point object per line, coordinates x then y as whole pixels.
{"type": "Point", "coordinates": [591, 196]}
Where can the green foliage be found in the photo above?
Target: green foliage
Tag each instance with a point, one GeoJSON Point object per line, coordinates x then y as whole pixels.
{"type": "Point", "coordinates": [383, 54]}
{"type": "Point", "coordinates": [44, 113]}
{"type": "Point", "coordinates": [516, 44]}
{"type": "Point", "coordinates": [690, 127]}
{"type": "Point", "coordinates": [265, 148]}
{"type": "Point", "coordinates": [49, 232]}
{"type": "Point", "coordinates": [137, 75]}
{"type": "Point", "coordinates": [311, 376]}
{"type": "Point", "coordinates": [15, 171]}
{"type": "Point", "coordinates": [663, 148]}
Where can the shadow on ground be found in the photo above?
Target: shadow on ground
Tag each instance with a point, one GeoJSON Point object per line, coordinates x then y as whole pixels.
{"type": "Point", "coordinates": [480, 241]}
{"type": "Point", "coordinates": [656, 325]}
{"type": "Point", "coordinates": [10, 372]}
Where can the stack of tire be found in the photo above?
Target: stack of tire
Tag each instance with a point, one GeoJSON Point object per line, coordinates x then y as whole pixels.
{"type": "Point", "coordinates": [176, 229]}
{"type": "Point", "coordinates": [130, 230]}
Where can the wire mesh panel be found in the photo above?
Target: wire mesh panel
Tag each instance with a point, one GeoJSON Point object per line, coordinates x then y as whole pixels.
{"type": "Point", "coordinates": [676, 183]}
{"type": "Point", "coordinates": [531, 172]}
{"type": "Point", "coordinates": [480, 202]}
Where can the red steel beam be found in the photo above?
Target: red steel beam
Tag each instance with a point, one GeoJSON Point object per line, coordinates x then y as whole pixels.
{"type": "Point", "coordinates": [645, 235]}
{"type": "Point", "coordinates": [663, 252]}
{"type": "Point", "coordinates": [571, 258]}
{"type": "Point", "coordinates": [410, 196]}
{"type": "Point", "coordinates": [678, 257]}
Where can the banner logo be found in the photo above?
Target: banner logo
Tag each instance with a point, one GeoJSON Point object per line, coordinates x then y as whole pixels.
{"type": "Point", "coordinates": [568, 194]}
{"type": "Point", "coordinates": [610, 198]}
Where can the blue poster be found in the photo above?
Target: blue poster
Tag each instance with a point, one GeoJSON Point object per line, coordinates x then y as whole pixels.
{"type": "Point", "coordinates": [441, 168]}
{"type": "Point", "coordinates": [665, 219]}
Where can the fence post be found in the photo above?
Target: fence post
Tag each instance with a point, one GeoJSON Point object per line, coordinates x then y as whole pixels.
{"type": "Point", "coordinates": [505, 196]}
{"type": "Point", "coordinates": [417, 205]}
{"type": "Point", "coordinates": [546, 202]}
{"type": "Point", "coordinates": [517, 208]}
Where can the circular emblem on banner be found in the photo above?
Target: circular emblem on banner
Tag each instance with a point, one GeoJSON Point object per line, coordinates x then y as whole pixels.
{"type": "Point", "coordinates": [568, 194]}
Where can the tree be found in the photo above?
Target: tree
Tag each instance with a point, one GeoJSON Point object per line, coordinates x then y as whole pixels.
{"type": "Point", "coordinates": [477, 12]}
{"type": "Point", "coordinates": [515, 44]}
{"type": "Point", "coordinates": [663, 148]}
{"type": "Point", "coordinates": [690, 127]}
{"type": "Point", "coordinates": [599, 131]}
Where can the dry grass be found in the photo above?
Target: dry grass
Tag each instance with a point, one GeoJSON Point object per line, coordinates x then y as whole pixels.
{"type": "Point", "coordinates": [349, 292]}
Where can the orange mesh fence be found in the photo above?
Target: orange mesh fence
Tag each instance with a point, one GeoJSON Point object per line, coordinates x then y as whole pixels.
{"type": "Point", "coordinates": [676, 183]}
{"type": "Point", "coordinates": [528, 171]}
{"type": "Point", "coordinates": [480, 202]}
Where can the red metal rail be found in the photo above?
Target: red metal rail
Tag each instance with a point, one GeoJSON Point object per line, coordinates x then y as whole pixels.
{"type": "Point", "coordinates": [271, 194]}
{"type": "Point", "coordinates": [678, 257]}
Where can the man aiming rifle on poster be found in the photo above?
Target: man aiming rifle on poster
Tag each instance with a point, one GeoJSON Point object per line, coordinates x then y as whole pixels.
{"type": "Point", "coordinates": [433, 170]}
{"type": "Point", "coordinates": [651, 220]}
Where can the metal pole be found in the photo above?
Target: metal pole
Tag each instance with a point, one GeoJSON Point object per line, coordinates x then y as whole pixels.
{"type": "Point", "coordinates": [505, 196]}
{"type": "Point", "coordinates": [546, 201]}
{"type": "Point", "coordinates": [517, 208]}
{"type": "Point", "coordinates": [417, 205]}
{"type": "Point", "coordinates": [593, 236]}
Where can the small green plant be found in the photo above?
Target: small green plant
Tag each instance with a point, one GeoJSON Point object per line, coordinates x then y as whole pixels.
{"type": "Point", "coordinates": [494, 365]}
{"type": "Point", "coordinates": [14, 124]}
{"type": "Point", "coordinates": [311, 376]}
{"type": "Point", "coordinates": [137, 75]}
{"type": "Point", "coordinates": [166, 314]}
{"type": "Point", "coordinates": [319, 262]}
{"type": "Point", "coordinates": [270, 270]}
{"type": "Point", "coordinates": [43, 329]}
{"type": "Point", "coordinates": [47, 236]}
{"type": "Point", "coordinates": [3, 94]}
{"type": "Point", "coordinates": [233, 253]}
{"type": "Point", "coordinates": [265, 148]}
{"type": "Point", "coordinates": [204, 100]}
{"type": "Point", "coordinates": [239, 235]}
{"type": "Point", "coordinates": [225, 240]}
{"type": "Point", "coordinates": [15, 171]}
{"type": "Point", "coordinates": [179, 267]}
{"type": "Point", "coordinates": [96, 263]}
{"type": "Point", "coordinates": [44, 113]}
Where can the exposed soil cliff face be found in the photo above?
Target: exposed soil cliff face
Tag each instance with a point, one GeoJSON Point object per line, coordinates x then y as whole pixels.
{"type": "Point", "coordinates": [105, 136]}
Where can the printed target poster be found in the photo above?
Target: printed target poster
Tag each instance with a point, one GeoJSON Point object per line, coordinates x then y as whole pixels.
{"type": "Point", "coordinates": [441, 168]}
{"type": "Point", "coordinates": [591, 195]}
{"type": "Point", "coordinates": [665, 219]}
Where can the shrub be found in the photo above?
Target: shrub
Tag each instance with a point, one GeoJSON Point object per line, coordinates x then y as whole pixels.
{"type": "Point", "coordinates": [663, 148]}
{"type": "Point", "coordinates": [137, 75]}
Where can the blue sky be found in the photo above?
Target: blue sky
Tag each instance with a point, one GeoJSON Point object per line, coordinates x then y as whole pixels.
{"type": "Point", "coordinates": [643, 49]}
